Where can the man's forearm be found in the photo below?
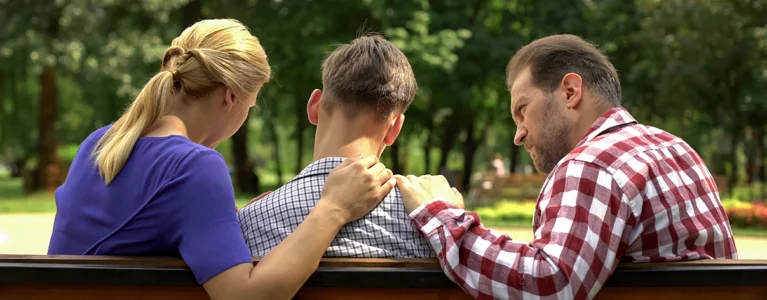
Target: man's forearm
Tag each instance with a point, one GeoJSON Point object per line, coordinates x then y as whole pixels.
{"type": "Point", "coordinates": [487, 264]}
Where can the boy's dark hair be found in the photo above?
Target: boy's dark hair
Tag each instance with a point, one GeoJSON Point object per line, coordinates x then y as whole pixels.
{"type": "Point", "coordinates": [369, 74]}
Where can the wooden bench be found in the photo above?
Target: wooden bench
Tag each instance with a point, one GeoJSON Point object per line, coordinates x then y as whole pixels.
{"type": "Point", "coordinates": [105, 277]}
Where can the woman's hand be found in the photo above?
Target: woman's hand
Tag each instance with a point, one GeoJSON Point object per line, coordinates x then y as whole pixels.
{"type": "Point", "coordinates": [416, 191]}
{"type": "Point", "coordinates": [355, 187]}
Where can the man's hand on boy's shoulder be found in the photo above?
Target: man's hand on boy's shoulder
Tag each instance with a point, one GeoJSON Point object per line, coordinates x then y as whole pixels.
{"type": "Point", "coordinates": [417, 191]}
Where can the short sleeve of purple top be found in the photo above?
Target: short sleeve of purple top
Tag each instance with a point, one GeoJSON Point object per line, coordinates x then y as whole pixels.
{"type": "Point", "coordinates": [172, 198]}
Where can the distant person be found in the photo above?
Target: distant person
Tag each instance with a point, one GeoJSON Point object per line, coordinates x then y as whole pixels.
{"type": "Point", "coordinates": [616, 190]}
{"type": "Point", "coordinates": [500, 170]}
{"type": "Point", "coordinates": [367, 86]}
{"type": "Point", "coordinates": [151, 184]}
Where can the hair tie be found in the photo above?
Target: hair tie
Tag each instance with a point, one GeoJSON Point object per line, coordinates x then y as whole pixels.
{"type": "Point", "coordinates": [174, 72]}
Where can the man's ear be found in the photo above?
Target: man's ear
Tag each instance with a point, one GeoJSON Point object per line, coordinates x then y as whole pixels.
{"type": "Point", "coordinates": [394, 129]}
{"type": "Point", "coordinates": [573, 87]}
{"type": "Point", "coordinates": [229, 99]}
{"type": "Point", "coordinates": [313, 106]}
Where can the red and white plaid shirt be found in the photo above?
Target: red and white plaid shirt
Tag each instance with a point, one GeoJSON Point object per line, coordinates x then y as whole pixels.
{"type": "Point", "coordinates": [627, 192]}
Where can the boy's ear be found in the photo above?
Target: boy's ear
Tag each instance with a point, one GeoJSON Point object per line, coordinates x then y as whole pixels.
{"type": "Point", "coordinates": [313, 106]}
{"type": "Point", "coordinates": [394, 129]}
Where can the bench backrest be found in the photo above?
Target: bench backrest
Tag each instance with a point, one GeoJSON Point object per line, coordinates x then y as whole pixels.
{"type": "Point", "coordinates": [101, 277]}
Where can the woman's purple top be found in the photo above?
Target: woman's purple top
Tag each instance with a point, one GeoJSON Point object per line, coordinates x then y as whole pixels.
{"type": "Point", "coordinates": [172, 198]}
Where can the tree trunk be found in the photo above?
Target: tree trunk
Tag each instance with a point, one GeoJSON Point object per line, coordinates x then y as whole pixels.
{"type": "Point", "coordinates": [245, 177]}
{"type": "Point", "coordinates": [429, 128]}
{"type": "Point", "coordinates": [469, 149]}
{"type": "Point", "coordinates": [48, 169]}
{"type": "Point", "coordinates": [18, 167]}
{"type": "Point", "coordinates": [191, 13]}
{"type": "Point", "coordinates": [751, 154]}
{"type": "Point", "coordinates": [4, 128]}
{"type": "Point", "coordinates": [427, 148]}
{"type": "Point", "coordinates": [300, 128]}
{"type": "Point", "coordinates": [276, 143]}
{"type": "Point", "coordinates": [448, 140]}
{"type": "Point", "coordinates": [733, 176]}
{"type": "Point", "coordinates": [397, 166]}
{"type": "Point", "coordinates": [513, 157]}
{"type": "Point", "coordinates": [760, 172]}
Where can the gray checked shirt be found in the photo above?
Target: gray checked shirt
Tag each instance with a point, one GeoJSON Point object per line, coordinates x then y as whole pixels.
{"type": "Point", "coordinates": [384, 232]}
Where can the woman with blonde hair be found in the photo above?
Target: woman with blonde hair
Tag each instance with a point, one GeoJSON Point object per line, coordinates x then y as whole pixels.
{"type": "Point", "coordinates": [151, 184]}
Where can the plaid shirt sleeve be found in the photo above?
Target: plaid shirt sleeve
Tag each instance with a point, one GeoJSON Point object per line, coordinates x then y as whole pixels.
{"type": "Point", "coordinates": [581, 219]}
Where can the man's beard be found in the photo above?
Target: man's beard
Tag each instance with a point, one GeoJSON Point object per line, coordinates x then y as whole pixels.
{"type": "Point", "coordinates": [552, 145]}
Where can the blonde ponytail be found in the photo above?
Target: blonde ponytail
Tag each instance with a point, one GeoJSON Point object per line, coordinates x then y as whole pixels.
{"type": "Point", "coordinates": [208, 55]}
{"type": "Point", "coordinates": [114, 148]}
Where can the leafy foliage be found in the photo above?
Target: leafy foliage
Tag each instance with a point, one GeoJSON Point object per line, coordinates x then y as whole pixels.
{"type": "Point", "coordinates": [695, 68]}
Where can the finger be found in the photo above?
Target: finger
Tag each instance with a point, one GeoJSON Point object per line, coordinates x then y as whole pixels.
{"type": "Point", "coordinates": [402, 180]}
{"type": "Point", "coordinates": [367, 161]}
{"type": "Point", "coordinates": [412, 178]}
{"type": "Point", "coordinates": [384, 176]}
{"type": "Point", "coordinates": [426, 179]}
{"type": "Point", "coordinates": [459, 198]}
{"type": "Point", "coordinates": [348, 161]}
{"type": "Point", "coordinates": [386, 188]}
{"type": "Point", "coordinates": [378, 168]}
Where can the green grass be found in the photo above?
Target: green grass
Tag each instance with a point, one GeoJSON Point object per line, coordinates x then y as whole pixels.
{"type": "Point", "coordinates": [31, 204]}
{"type": "Point", "coordinates": [12, 199]}
{"type": "Point", "coordinates": [507, 224]}
{"type": "Point", "coordinates": [752, 232]}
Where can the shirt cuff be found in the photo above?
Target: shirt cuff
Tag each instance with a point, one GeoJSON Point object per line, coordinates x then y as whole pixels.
{"type": "Point", "coordinates": [429, 210]}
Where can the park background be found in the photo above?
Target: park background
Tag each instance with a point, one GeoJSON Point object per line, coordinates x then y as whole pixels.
{"type": "Point", "coordinates": [697, 69]}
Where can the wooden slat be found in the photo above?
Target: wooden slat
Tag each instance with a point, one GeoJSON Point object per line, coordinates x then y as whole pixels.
{"type": "Point", "coordinates": [706, 262]}
{"type": "Point", "coordinates": [674, 293]}
{"type": "Point", "coordinates": [326, 262]}
{"type": "Point", "coordinates": [85, 292]}
{"type": "Point", "coordinates": [381, 294]}
{"type": "Point", "coordinates": [94, 260]}
{"type": "Point", "coordinates": [176, 262]}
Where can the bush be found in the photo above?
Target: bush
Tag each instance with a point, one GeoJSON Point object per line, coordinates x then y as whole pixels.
{"type": "Point", "coordinates": [740, 213]}
{"type": "Point", "coordinates": [745, 214]}
{"type": "Point", "coordinates": [508, 211]}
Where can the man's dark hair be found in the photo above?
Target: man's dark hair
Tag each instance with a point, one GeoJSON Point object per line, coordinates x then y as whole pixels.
{"type": "Point", "coordinates": [550, 58]}
{"type": "Point", "coordinates": [369, 74]}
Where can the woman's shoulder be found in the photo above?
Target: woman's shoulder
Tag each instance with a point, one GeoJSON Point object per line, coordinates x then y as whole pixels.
{"type": "Point", "coordinates": [181, 150]}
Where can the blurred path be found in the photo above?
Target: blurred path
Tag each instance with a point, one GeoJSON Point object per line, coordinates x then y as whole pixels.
{"type": "Point", "coordinates": [25, 233]}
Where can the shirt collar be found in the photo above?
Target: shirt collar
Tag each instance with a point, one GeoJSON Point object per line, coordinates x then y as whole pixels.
{"type": "Point", "coordinates": [613, 118]}
{"type": "Point", "coordinates": [321, 166]}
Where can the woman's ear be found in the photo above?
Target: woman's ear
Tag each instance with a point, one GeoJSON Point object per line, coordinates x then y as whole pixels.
{"type": "Point", "coordinates": [229, 99]}
{"type": "Point", "coordinates": [313, 106]}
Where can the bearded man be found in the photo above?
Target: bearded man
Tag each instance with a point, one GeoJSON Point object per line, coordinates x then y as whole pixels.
{"type": "Point", "coordinates": [616, 190]}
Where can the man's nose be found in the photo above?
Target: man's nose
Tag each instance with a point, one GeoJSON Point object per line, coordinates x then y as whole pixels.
{"type": "Point", "coordinates": [520, 135]}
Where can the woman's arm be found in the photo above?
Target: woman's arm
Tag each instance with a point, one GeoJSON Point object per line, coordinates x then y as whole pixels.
{"type": "Point", "coordinates": [353, 189]}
